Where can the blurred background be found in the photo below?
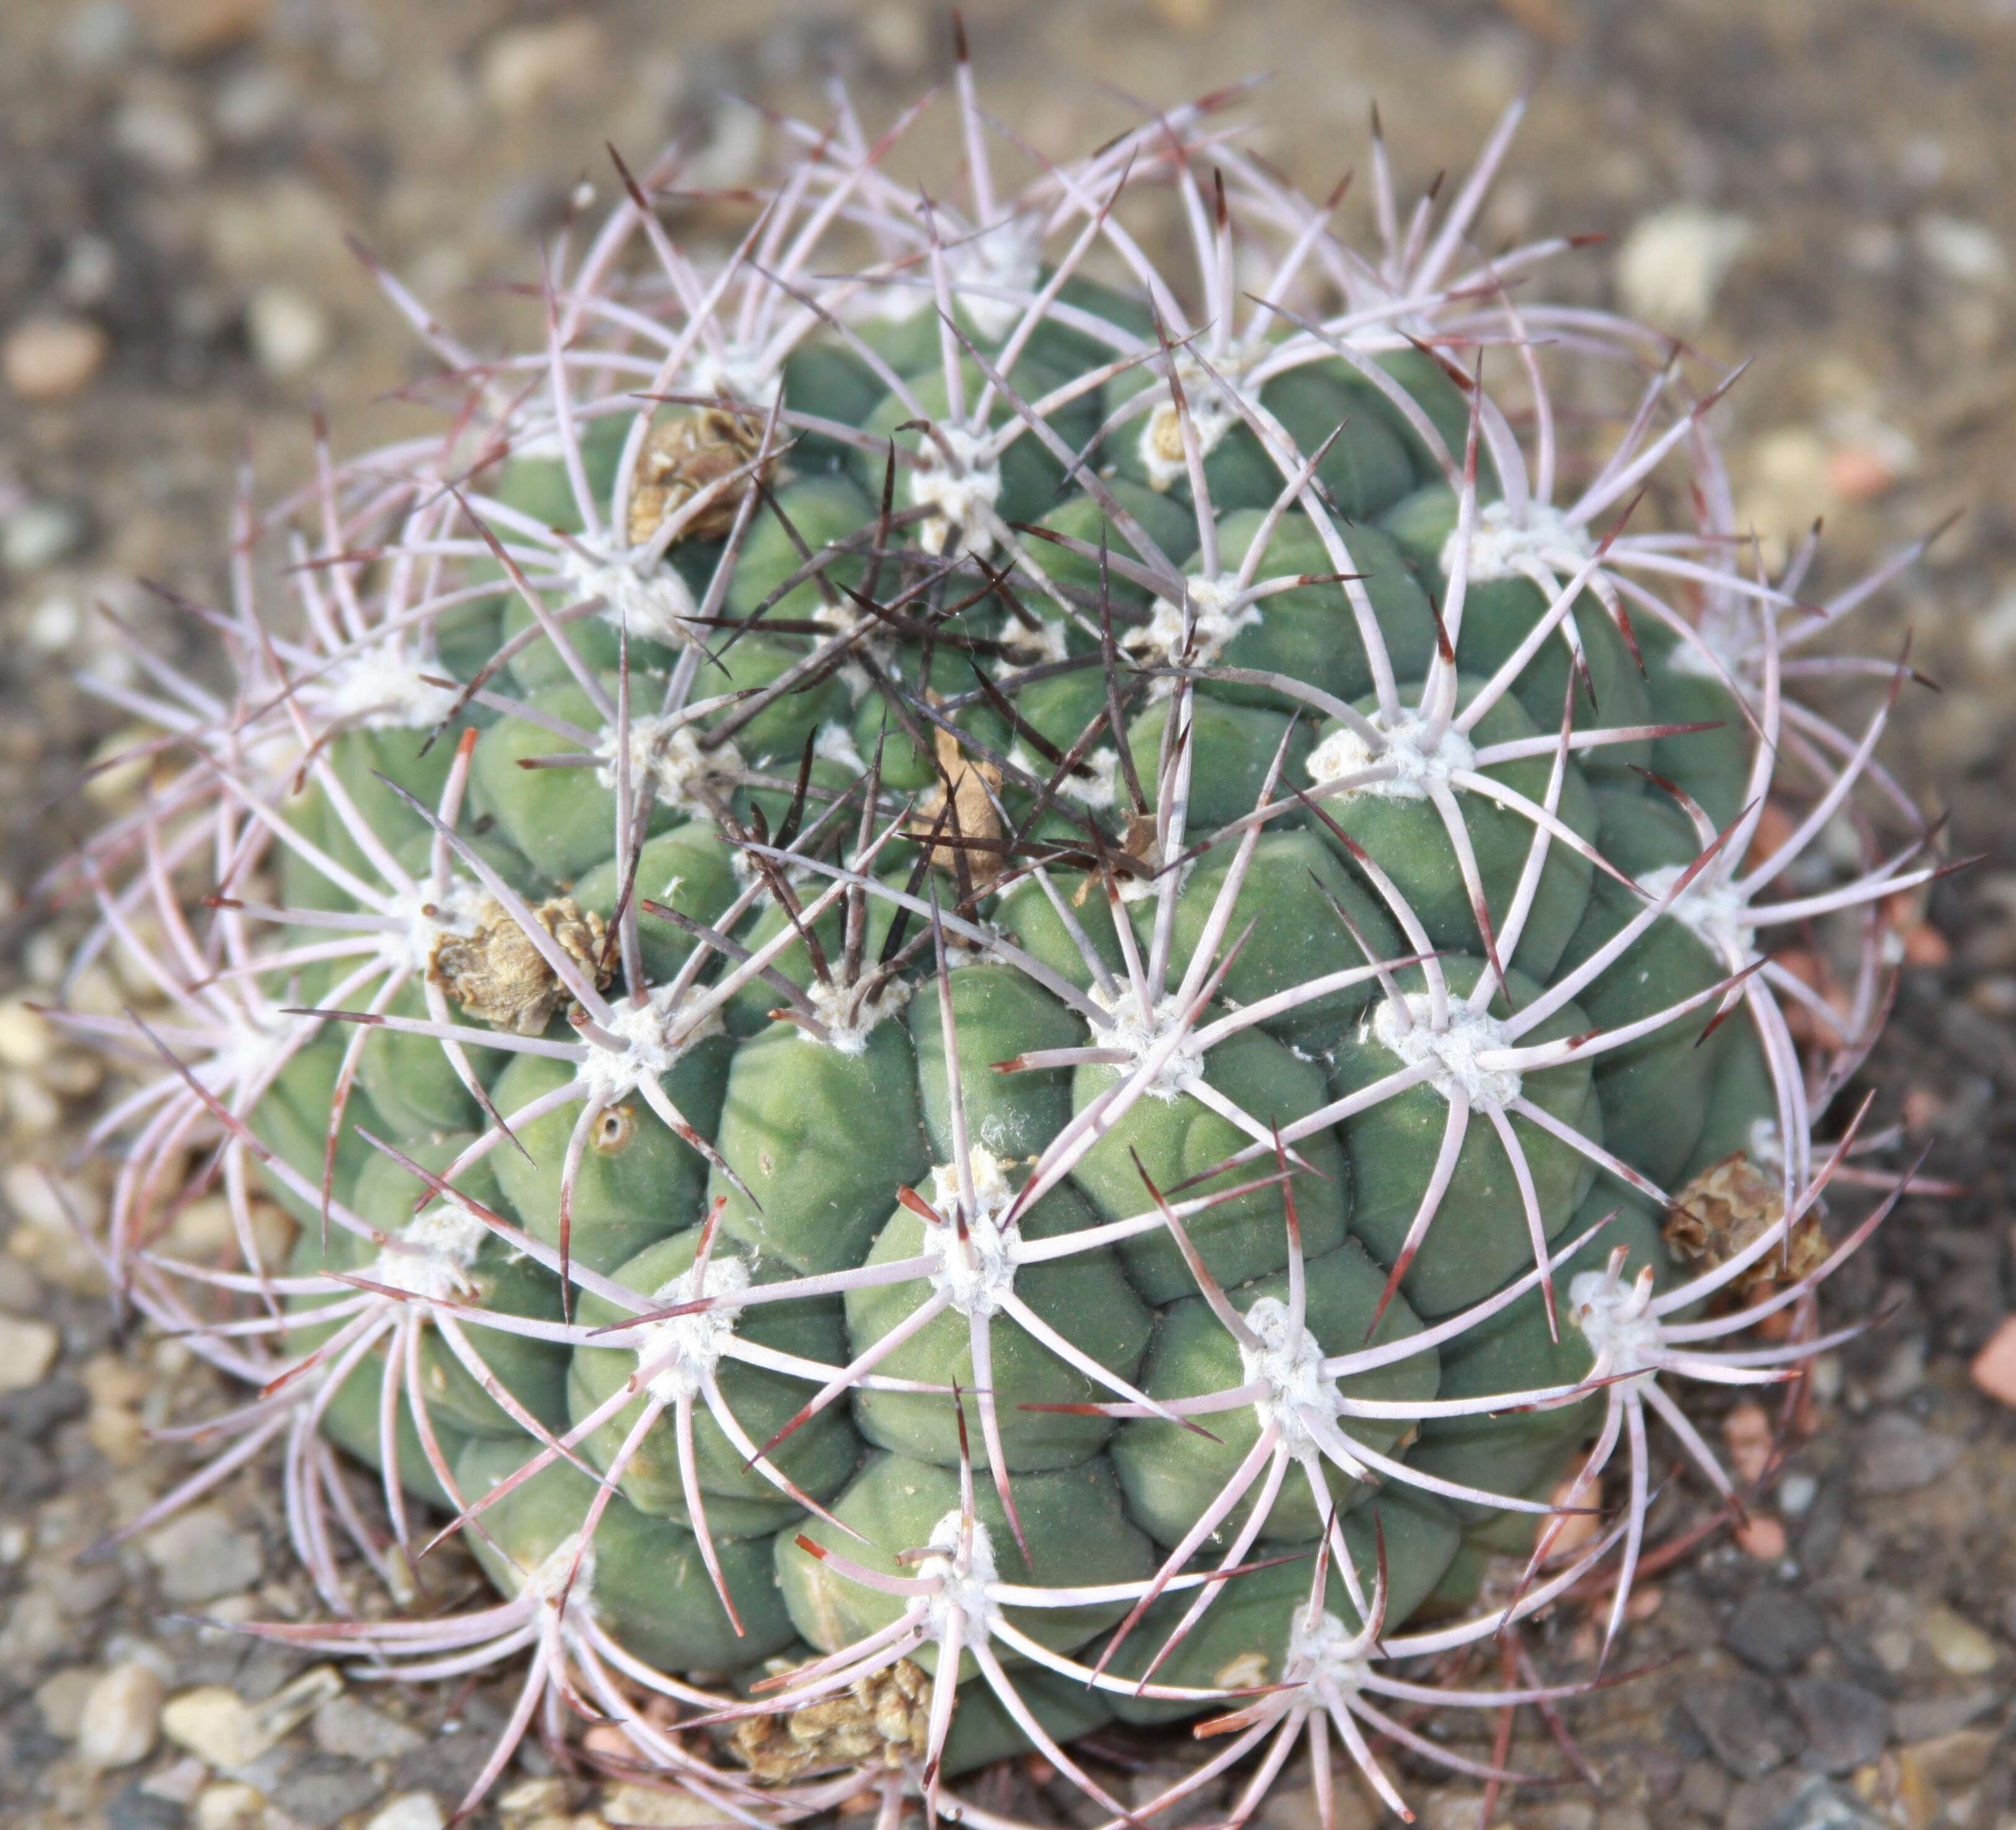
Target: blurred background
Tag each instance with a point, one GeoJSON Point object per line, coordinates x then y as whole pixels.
{"type": "Point", "coordinates": [1826, 186]}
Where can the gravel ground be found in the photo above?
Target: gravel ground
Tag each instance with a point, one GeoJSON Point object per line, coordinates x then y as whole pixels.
{"type": "Point", "coordinates": [1830, 176]}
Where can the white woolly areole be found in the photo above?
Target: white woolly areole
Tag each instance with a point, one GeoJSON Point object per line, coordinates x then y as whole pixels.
{"type": "Point", "coordinates": [1006, 258]}
{"type": "Point", "coordinates": [1141, 1036]}
{"type": "Point", "coordinates": [441, 1244]}
{"type": "Point", "coordinates": [1212, 415]}
{"type": "Point", "coordinates": [736, 374]}
{"type": "Point", "coordinates": [1328, 1651]}
{"type": "Point", "coordinates": [1197, 629]}
{"type": "Point", "coordinates": [697, 1341]}
{"type": "Point", "coordinates": [1617, 1320]}
{"type": "Point", "coordinates": [835, 743]}
{"type": "Point", "coordinates": [656, 607]}
{"type": "Point", "coordinates": [1420, 758]}
{"type": "Point", "coordinates": [428, 917]}
{"type": "Point", "coordinates": [959, 488]}
{"type": "Point", "coordinates": [961, 1562]}
{"type": "Point", "coordinates": [1452, 1051]}
{"type": "Point", "coordinates": [381, 688]}
{"type": "Point", "coordinates": [1098, 787]}
{"type": "Point", "coordinates": [1501, 547]}
{"type": "Point", "coordinates": [1714, 910]}
{"type": "Point", "coordinates": [977, 1272]}
{"type": "Point", "coordinates": [665, 749]}
{"type": "Point", "coordinates": [557, 1574]}
{"type": "Point", "coordinates": [652, 1036]}
{"type": "Point", "coordinates": [1289, 1361]}
{"type": "Point", "coordinates": [850, 1018]}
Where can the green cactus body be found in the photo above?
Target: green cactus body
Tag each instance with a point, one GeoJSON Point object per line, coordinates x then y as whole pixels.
{"type": "Point", "coordinates": [982, 1176]}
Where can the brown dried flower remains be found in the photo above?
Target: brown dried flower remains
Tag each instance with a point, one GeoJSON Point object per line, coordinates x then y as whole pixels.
{"type": "Point", "coordinates": [496, 974]}
{"type": "Point", "coordinates": [972, 839]}
{"type": "Point", "coordinates": [681, 456]}
{"type": "Point", "coordinates": [884, 1718]}
{"type": "Point", "coordinates": [1727, 1208]}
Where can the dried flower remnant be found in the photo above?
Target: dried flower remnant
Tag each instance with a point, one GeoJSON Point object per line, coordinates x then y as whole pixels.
{"type": "Point", "coordinates": [1727, 1208]}
{"type": "Point", "coordinates": [499, 975]}
{"type": "Point", "coordinates": [881, 1720]}
{"type": "Point", "coordinates": [682, 454]}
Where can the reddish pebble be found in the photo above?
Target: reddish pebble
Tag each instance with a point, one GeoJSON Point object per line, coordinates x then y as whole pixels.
{"type": "Point", "coordinates": [1747, 1433]}
{"type": "Point", "coordinates": [1994, 1368]}
{"type": "Point", "coordinates": [1762, 1538]}
{"type": "Point", "coordinates": [1857, 474]}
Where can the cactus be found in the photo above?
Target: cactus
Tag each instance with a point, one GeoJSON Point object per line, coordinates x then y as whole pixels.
{"type": "Point", "coordinates": [990, 998]}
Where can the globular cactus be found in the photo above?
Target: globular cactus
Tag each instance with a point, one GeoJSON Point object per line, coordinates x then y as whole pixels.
{"type": "Point", "coordinates": [993, 998]}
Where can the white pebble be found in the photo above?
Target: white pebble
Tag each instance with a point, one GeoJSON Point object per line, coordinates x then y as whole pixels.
{"type": "Point", "coordinates": [163, 136]}
{"type": "Point", "coordinates": [1970, 252]}
{"type": "Point", "coordinates": [36, 536]}
{"type": "Point", "coordinates": [289, 332]}
{"type": "Point", "coordinates": [1673, 262]}
{"type": "Point", "coordinates": [410, 1810]}
{"type": "Point", "coordinates": [122, 1717]}
{"type": "Point", "coordinates": [27, 1351]}
{"type": "Point", "coordinates": [25, 1040]}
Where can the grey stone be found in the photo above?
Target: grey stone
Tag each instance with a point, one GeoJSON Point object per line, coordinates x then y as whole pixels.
{"type": "Point", "coordinates": [1756, 1804]}
{"type": "Point", "coordinates": [324, 1788]}
{"type": "Point", "coordinates": [134, 1810]}
{"type": "Point", "coordinates": [1774, 1631]}
{"type": "Point", "coordinates": [1746, 1726]}
{"type": "Point", "coordinates": [31, 1474]}
{"type": "Point", "coordinates": [202, 1555]}
{"type": "Point", "coordinates": [1927, 1718]}
{"type": "Point", "coordinates": [344, 1725]}
{"type": "Point", "coordinates": [1846, 1726]}
{"type": "Point", "coordinates": [35, 1411]}
{"type": "Point", "coordinates": [1898, 1455]}
{"type": "Point", "coordinates": [1819, 1806]}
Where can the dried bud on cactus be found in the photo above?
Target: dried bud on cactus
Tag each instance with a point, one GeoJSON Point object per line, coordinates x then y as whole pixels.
{"type": "Point", "coordinates": [497, 975]}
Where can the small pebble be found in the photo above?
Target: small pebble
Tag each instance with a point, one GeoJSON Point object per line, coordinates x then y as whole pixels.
{"type": "Point", "coordinates": [60, 1699]}
{"type": "Point", "coordinates": [324, 1788]}
{"type": "Point", "coordinates": [1969, 252]}
{"type": "Point", "coordinates": [228, 1807]}
{"type": "Point", "coordinates": [217, 1726]}
{"type": "Point", "coordinates": [1931, 1718]}
{"type": "Point", "coordinates": [288, 331]}
{"type": "Point", "coordinates": [161, 136]}
{"type": "Point", "coordinates": [1994, 1368]}
{"type": "Point", "coordinates": [526, 65]}
{"type": "Point", "coordinates": [1819, 1806]}
{"type": "Point", "coordinates": [137, 1809]}
{"type": "Point", "coordinates": [1743, 1723]}
{"type": "Point", "coordinates": [27, 1351]}
{"type": "Point", "coordinates": [37, 535]}
{"type": "Point", "coordinates": [1958, 1759]}
{"type": "Point", "coordinates": [189, 29]}
{"type": "Point", "coordinates": [52, 358]}
{"type": "Point", "coordinates": [1774, 1631]}
{"type": "Point", "coordinates": [1796, 1494]}
{"type": "Point", "coordinates": [410, 1810]}
{"type": "Point", "coordinates": [122, 1716]}
{"type": "Point", "coordinates": [97, 34]}
{"type": "Point", "coordinates": [1846, 1726]}
{"type": "Point", "coordinates": [1958, 1644]}
{"type": "Point", "coordinates": [344, 1725]}
{"type": "Point", "coordinates": [202, 1555]}
{"type": "Point", "coordinates": [1898, 1455]}
{"type": "Point", "coordinates": [1761, 1537]}
{"type": "Point", "coordinates": [1673, 262]}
